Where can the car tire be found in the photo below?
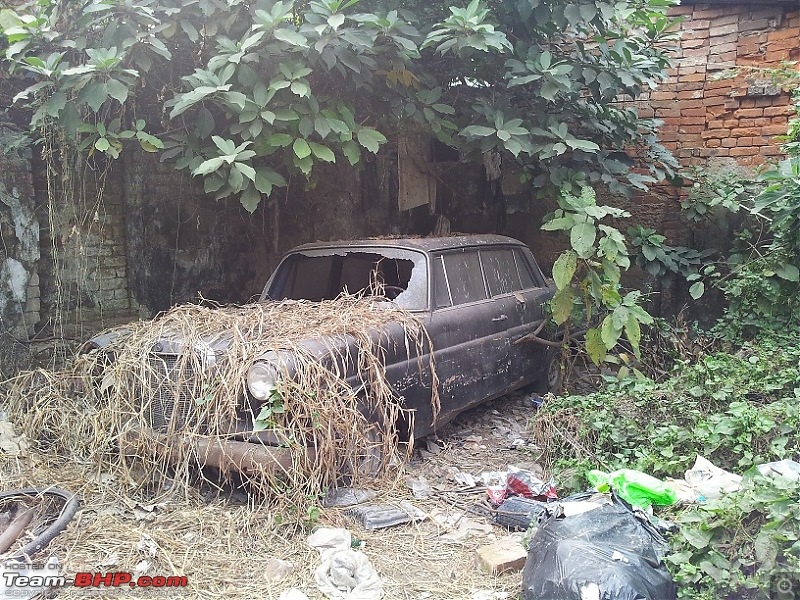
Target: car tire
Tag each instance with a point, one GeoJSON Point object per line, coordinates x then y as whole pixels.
{"type": "Point", "coordinates": [552, 380]}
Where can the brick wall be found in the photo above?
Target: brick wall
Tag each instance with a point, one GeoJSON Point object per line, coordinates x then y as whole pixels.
{"type": "Point", "coordinates": [713, 119]}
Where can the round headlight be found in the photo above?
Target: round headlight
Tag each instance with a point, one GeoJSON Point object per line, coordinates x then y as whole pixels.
{"type": "Point", "coordinates": [261, 380]}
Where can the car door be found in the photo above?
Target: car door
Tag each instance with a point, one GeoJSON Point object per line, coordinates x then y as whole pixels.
{"type": "Point", "coordinates": [466, 328]}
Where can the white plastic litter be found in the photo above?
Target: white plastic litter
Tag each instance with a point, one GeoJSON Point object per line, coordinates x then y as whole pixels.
{"type": "Point", "coordinates": [293, 594]}
{"type": "Point", "coordinates": [709, 480]}
{"type": "Point", "coordinates": [782, 468]}
{"type": "Point", "coordinates": [344, 574]}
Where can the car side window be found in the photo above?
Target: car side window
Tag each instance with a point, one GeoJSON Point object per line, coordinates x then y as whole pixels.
{"type": "Point", "coordinates": [525, 272]}
{"type": "Point", "coordinates": [500, 269]}
{"type": "Point", "coordinates": [464, 276]}
{"type": "Point", "coordinates": [440, 290]}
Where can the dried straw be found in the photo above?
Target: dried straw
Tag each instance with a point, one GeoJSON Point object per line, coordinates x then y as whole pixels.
{"type": "Point", "coordinates": [88, 411]}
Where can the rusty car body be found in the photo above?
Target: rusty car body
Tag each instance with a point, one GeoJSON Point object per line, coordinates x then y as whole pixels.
{"type": "Point", "coordinates": [476, 295]}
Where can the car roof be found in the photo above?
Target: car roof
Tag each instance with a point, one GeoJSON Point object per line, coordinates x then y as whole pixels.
{"type": "Point", "coordinates": [424, 244]}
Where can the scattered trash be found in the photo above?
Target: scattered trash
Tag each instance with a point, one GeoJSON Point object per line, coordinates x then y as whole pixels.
{"type": "Point", "coordinates": [782, 468]}
{"type": "Point", "coordinates": [380, 516]}
{"type": "Point", "coordinates": [462, 477]}
{"type": "Point", "coordinates": [466, 528]}
{"type": "Point", "coordinates": [606, 553]}
{"type": "Point", "coordinates": [344, 574]}
{"type": "Point", "coordinates": [518, 513]}
{"type": "Point", "coordinates": [495, 482]}
{"type": "Point", "coordinates": [419, 486]}
{"type": "Point", "coordinates": [293, 594]}
{"type": "Point", "coordinates": [433, 447]}
{"type": "Point", "coordinates": [10, 443]}
{"type": "Point", "coordinates": [346, 496]}
{"type": "Point", "coordinates": [489, 595]}
{"type": "Point", "coordinates": [635, 487]}
{"type": "Point", "coordinates": [520, 482]}
{"type": "Point", "coordinates": [276, 569]}
{"type": "Point", "coordinates": [709, 481]}
{"type": "Point", "coordinates": [504, 555]}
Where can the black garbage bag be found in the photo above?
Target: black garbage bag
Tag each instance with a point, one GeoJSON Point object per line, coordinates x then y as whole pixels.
{"type": "Point", "coordinates": [604, 554]}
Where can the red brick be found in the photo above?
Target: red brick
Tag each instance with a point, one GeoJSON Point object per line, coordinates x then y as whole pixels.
{"type": "Point", "coordinates": [773, 130]}
{"type": "Point", "coordinates": [749, 112]}
{"type": "Point", "coordinates": [713, 143]}
{"type": "Point", "coordinates": [781, 45]}
{"type": "Point", "coordinates": [710, 13]}
{"type": "Point", "coordinates": [779, 120]}
{"type": "Point", "coordinates": [744, 141]}
{"type": "Point", "coordinates": [691, 103]}
{"type": "Point", "coordinates": [785, 34]}
{"type": "Point", "coordinates": [744, 132]}
{"type": "Point", "coordinates": [719, 103]}
{"type": "Point", "coordinates": [753, 24]}
{"type": "Point", "coordinates": [724, 29]}
{"type": "Point", "coordinates": [748, 103]}
{"type": "Point", "coordinates": [691, 129]}
{"type": "Point", "coordinates": [691, 94]}
{"type": "Point", "coordinates": [771, 151]}
{"type": "Point", "coordinates": [760, 141]}
{"type": "Point", "coordinates": [716, 111]}
{"type": "Point", "coordinates": [663, 96]}
{"type": "Point", "coordinates": [731, 122]}
{"type": "Point", "coordinates": [694, 43]}
{"type": "Point", "coordinates": [719, 40]}
{"type": "Point", "coordinates": [717, 92]}
{"type": "Point", "coordinates": [693, 34]}
{"type": "Point", "coordinates": [689, 86]}
{"type": "Point", "coordinates": [693, 112]}
{"type": "Point", "coordinates": [692, 77]}
{"type": "Point", "coordinates": [759, 122]}
{"type": "Point", "coordinates": [716, 134]}
{"type": "Point", "coordinates": [750, 151]}
{"type": "Point", "coordinates": [716, 124]}
{"type": "Point", "coordinates": [728, 142]}
{"type": "Point", "coordinates": [698, 23]}
{"type": "Point", "coordinates": [725, 20]}
{"type": "Point", "coordinates": [693, 120]}
{"type": "Point", "coordinates": [678, 11]}
{"type": "Point", "coordinates": [724, 57]}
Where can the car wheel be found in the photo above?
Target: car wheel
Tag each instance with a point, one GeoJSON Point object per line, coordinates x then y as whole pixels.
{"type": "Point", "coordinates": [552, 379]}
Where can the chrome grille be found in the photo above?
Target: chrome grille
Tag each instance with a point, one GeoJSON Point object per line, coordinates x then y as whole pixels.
{"type": "Point", "coordinates": [172, 392]}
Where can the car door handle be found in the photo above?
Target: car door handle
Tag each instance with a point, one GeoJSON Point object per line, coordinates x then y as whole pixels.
{"type": "Point", "coordinates": [500, 318]}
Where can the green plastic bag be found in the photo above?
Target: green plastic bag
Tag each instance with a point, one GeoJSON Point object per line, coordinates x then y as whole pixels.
{"type": "Point", "coordinates": [635, 487]}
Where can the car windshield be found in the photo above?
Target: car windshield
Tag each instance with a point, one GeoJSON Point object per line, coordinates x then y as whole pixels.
{"type": "Point", "coordinates": [399, 274]}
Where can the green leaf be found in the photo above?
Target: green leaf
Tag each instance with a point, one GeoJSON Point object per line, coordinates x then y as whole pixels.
{"type": "Point", "coordinates": [117, 90]}
{"type": "Point", "coordinates": [322, 152]}
{"type": "Point", "coordinates": [559, 224]}
{"type": "Point", "coordinates": [697, 290]}
{"type": "Point", "coordinates": [582, 238]}
{"type": "Point", "coordinates": [300, 88]}
{"type": "Point", "coordinates": [102, 144]}
{"type": "Point", "coordinates": [788, 272]}
{"type": "Point", "coordinates": [564, 269]}
{"type": "Point", "coordinates": [205, 122]}
{"type": "Point", "coordinates": [370, 138]}
{"type": "Point", "coordinates": [301, 148]}
{"type": "Point", "coordinates": [95, 95]}
{"type": "Point", "coordinates": [561, 305]}
{"type": "Point", "coordinates": [246, 170]}
{"type": "Point", "coordinates": [250, 199]}
{"type": "Point", "coordinates": [595, 347]}
{"type": "Point", "coordinates": [209, 166]}
{"type": "Point", "coordinates": [280, 140]}
{"type": "Point", "coordinates": [55, 104]}
{"type": "Point", "coordinates": [352, 152]}
{"type": "Point", "coordinates": [633, 332]}
{"type": "Point", "coordinates": [290, 37]}
{"type": "Point", "coordinates": [477, 131]}
{"type": "Point", "coordinates": [610, 332]}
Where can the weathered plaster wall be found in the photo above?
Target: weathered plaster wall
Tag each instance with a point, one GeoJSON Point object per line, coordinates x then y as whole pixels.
{"type": "Point", "coordinates": [19, 255]}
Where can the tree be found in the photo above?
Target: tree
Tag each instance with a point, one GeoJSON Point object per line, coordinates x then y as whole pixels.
{"type": "Point", "coordinates": [254, 92]}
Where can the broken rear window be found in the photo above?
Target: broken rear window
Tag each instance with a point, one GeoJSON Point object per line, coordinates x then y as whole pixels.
{"type": "Point", "coordinates": [398, 274]}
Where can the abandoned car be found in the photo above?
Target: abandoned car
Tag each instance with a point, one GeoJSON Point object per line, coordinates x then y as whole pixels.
{"type": "Point", "coordinates": [477, 297]}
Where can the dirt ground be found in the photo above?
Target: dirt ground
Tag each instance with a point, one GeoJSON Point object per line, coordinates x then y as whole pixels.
{"type": "Point", "coordinates": [226, 546]}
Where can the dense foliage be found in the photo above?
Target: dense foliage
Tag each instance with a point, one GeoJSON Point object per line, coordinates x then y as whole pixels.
{"type": "Point", "coordinates": [249, 93]}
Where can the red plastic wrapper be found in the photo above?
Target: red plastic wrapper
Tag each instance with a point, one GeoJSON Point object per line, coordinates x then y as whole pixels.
{"type": "Point", "coordinates": [520, 482]}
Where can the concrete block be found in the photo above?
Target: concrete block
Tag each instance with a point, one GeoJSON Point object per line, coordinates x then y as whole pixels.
{"type": "Point", "coordinates": [501, 557]}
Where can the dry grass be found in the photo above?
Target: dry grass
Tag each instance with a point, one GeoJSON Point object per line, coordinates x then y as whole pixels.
{"type": "Point", "coordinates": [87, 410]}
{"type": "Point", "coordinates": [148, 517]}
